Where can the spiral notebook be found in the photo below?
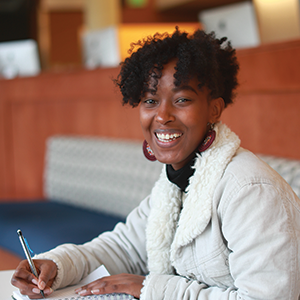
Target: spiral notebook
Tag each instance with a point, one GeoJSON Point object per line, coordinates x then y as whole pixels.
{"type": "Point", "coordinates": [69, 294]}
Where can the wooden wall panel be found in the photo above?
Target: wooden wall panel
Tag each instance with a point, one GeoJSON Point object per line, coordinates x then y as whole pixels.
{"type": "Point", "coordinates": [3, 176]}
{"type": "Point", "coordinates": [65, 46]}
{"type": "Point", "coordinates": [267, 123]}
{"type": "Point", "coordinates": [81, 103]}
{"type": "Point", "coordinates": [89, 116]}
{"type": "Point", "coordinates": [265, 114]}
{"type": "Point", "coordinates": [270, 68]}
{"type": "Point", "coordinates": [266, 111]}
{"type": "Point", "coordinates": [6, 151]}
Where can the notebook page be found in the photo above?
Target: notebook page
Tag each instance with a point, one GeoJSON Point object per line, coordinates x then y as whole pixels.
{"type": "Point", "coordinates": [68, 292]}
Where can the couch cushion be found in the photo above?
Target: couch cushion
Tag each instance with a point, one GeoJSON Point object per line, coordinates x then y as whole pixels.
{"type": "Point", "coordinates": [289, 169]}
{"type": "Point", "coordinates": [104, 174]}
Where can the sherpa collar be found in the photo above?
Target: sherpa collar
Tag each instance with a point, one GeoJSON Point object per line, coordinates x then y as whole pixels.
{"type": "Point", "coordinates": [169, 227]}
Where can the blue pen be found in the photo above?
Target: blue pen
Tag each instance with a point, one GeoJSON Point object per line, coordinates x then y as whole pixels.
{"type": "Point", "coordinates": [29, 259]}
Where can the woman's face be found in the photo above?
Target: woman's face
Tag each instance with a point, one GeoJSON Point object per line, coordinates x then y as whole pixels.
{"type": "Point", "coordinates": [174, 120]}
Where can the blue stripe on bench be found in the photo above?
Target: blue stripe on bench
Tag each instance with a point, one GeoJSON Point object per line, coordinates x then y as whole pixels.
{"type": "Point", "coordinates": [47, 224]}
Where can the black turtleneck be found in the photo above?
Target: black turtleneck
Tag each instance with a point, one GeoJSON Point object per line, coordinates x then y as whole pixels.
{"type": "Point", "coordinates": [181, 177]}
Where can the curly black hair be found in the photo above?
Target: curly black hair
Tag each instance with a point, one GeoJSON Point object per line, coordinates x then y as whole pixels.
{"type": "Point", "coordinates": [212, 60]}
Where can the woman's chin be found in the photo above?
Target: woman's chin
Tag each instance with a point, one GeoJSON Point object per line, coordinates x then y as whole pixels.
{"type": "Point", "coordinates": [170, 161]}
{"type": "Point", "coordinates": [165, 160]}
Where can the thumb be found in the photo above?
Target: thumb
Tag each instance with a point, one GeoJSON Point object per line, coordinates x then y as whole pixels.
{"type": "Point", "coordinates": [42, 284]}
{"type": "Point", "coordinates": [48, 271]}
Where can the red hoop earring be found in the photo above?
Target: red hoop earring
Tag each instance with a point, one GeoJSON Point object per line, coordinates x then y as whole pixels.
{"type": "Point", "coordinates": [210, 137]}
{"type": "Point", "coordinates": [148, 152]}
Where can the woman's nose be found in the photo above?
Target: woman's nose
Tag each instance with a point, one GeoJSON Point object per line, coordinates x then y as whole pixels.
{"type": "Point", "coordinates": [165, 113]}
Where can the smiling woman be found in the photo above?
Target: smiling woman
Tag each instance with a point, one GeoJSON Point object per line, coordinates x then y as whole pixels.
{"type": "Point", "coordinates": [175, 120]}
{"type": "Point", "coordinates": [218, 224]}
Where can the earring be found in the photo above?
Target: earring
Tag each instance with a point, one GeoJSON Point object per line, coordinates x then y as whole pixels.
{"type": "Point", "coordinates": [148, 152]}
{"type": "Point", "coordinates": [209, 138]}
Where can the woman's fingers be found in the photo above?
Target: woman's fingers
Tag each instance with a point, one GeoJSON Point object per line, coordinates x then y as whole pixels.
{"type": "Point", "coordinates": [47, 273]}
{"type": "Point", "coordinates": [121, 283]}
{"type": "Point", "coordinates": [31, 286]}
{"type": "Point", "coordinates": [22, 275]}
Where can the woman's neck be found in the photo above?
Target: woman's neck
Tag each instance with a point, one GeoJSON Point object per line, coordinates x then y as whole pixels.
{"type": "Point", "coordinates": [181, 176]}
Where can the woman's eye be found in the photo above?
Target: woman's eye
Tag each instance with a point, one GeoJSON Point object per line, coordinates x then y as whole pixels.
{"type": "Point", "coordinates": [149, 101]}
{"type": "Point", "coordinates": [182, 100]}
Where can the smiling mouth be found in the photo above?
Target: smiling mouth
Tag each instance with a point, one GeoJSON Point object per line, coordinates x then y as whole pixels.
{"type": "Point", "coordinates": [168, 137]}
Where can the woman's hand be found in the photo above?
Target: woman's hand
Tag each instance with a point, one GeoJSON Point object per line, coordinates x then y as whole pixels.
{"type": "Point", "coordinates": [31, 286]}
{"type": "Point", "coordinates": [121, 283]}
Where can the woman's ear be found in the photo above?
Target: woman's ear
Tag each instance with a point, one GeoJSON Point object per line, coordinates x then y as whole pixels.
{"type": "Point", "coordinates": [216, 108]}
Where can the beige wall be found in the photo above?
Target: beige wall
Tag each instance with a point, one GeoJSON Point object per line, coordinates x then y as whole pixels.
{"type": "Point", "coordinates": [102, 13]}
{"type": "Point", "coordinates": [166, 4]}
{"type": "Point", "coordinates": [278, 19]}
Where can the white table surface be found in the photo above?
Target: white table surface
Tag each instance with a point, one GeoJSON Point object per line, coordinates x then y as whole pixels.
{"type": "Point", "coordinates": [5, 285]}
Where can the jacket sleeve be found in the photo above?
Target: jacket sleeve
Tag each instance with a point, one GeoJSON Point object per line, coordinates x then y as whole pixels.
{"type": "Point", "coordinates": [121, 251]}
{"type": "Point", "coordinates": [261, 226]}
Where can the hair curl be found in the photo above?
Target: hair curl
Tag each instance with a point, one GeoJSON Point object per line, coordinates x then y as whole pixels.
{"type": "Point", "coordinates": [213, 61]}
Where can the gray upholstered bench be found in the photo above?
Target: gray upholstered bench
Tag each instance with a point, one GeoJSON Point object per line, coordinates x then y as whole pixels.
{"type": "Point", "coordinates": [105, 175]}
{"type": "Point", "coordinates": [90, 184]}
{"type": "Point", "coordinates": [289, 169]}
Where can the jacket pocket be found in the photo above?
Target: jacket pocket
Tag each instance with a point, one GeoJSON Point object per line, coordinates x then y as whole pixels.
{"type": "Point", "coordinates": [214, 269]}
{"type": "Point", "coordinates": [207, 265]}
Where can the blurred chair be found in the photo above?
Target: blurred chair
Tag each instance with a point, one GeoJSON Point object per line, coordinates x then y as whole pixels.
{"type": "Point", "coordinates": [19, 58]}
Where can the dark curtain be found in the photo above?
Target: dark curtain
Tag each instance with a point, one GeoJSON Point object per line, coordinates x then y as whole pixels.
{"type": "Point", "coordinates": [18, 20]}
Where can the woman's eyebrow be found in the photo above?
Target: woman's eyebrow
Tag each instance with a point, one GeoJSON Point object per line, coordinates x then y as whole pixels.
{"type": "Point", "coordinates": [184, 87]}
{"type": "Point", "coordinates": [150, 90]}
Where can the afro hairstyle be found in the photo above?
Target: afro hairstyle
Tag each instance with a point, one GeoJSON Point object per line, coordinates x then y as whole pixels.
{"type": "Point", "coordinates": [213, 61]}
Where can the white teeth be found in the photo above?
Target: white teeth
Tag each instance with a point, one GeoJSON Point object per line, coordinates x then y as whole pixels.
{"type": "Point", "coordinates": [167, 137]}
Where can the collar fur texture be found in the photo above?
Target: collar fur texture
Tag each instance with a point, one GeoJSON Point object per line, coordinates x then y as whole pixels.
{"type": "Point", "coordinates": [171, 226]}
